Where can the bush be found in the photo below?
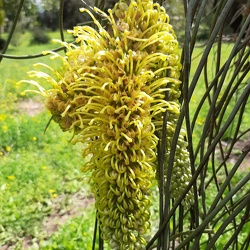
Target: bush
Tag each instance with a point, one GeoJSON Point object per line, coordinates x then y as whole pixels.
{"type": "Point", "coordinates": [2, 43]}
{"type": "Point", "coordinates": [39, 36]}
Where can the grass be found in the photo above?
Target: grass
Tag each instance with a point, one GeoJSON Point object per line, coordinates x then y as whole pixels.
{"type": "Point", "coordinates": [201, 87]}
{"type": "Point", "coordinates": [76, 234]}
{"type": "Point", "coordinates": [36, 168]}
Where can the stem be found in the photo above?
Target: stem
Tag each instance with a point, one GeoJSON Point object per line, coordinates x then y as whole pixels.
{"type": "Point", "coordinates": [12, 29]}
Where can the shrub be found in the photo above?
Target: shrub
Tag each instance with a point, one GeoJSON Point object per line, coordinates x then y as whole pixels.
{"type": "Point", "coordinates": [39, 36]}
{"type": "Point", "coordinates": [2, 43]}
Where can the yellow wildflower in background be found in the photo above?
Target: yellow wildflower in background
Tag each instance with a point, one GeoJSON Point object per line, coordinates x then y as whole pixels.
{"type": "Point", "coordinates": [11, 177]}
{"type": "Point", "coordinates": [5, 128]}
{"type": "Point", "coordinates": [2, 117]}
{"type": "Point", "coordinates": [111, 94]}
{"type": "Point", "coordinates": [53, 193]}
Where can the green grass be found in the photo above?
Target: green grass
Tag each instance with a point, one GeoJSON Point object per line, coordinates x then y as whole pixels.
{"type": "Point", "coordinates": [12, 71]}
{"type": "Point", "coordinates": [201, 88]}
{"type": "Point", "coordinates": [37, 168]}
{"type": "Point", "coordinates": [76, 234]}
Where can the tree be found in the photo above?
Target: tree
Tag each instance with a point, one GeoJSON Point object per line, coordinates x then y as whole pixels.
{"type": "Point", "coordinates": [10, 7]}
{"type": "Point", "coordinates": [2, 17]}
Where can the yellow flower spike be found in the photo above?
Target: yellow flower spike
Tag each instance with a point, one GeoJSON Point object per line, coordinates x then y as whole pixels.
{"type": "Point", "coordinates": [110, 94]}
{"type": "Point", "coordinates": [128, 193]}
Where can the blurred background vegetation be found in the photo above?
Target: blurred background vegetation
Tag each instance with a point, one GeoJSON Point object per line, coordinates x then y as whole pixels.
{"type": "Point", "coordinates": [39, 16]}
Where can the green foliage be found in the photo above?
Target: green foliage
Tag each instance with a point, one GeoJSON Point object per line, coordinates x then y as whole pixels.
{"type": "Point", "coordinates": [2, 13]}
{"type": "Point", "coordinates": [10, 7]}
{"type": "Point", "coordinates": [2, 17]}
{"type": "Point", "coordinates": [50, 5]}
{"type": "Point", "coordinates": [36, 169]}
{"type": "Point", "coordinates": [39, 36]}
{"type": "Point", "coordinates": [201, 86]}
{"type": "Point", "coordinates": [75, 234]}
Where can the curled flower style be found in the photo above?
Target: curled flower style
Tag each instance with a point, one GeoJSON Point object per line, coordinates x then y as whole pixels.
{"type": "Point", "coordinates": [111, 95]}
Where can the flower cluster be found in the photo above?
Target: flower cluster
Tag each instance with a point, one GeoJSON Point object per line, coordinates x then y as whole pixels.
{"type": "Point", "coordinates": [181, 174]}
{"type": "Point", "coordinates": [111, 94]}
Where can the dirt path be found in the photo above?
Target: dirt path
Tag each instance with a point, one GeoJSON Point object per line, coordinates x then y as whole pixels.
{"type": "Point", "coordinates": [76, 206]}
{"type": "Point", "coordinates": [31, 107]}
{"type": "Point", "coordinates": [64, 208]}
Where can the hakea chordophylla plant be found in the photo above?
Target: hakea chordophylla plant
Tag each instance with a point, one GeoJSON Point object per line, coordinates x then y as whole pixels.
{"type": "Point", "coordinates": [111, 93]}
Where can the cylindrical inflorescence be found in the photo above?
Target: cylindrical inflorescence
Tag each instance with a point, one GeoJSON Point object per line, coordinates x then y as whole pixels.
{"type": "Point", "coordinates": [111, 93]}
